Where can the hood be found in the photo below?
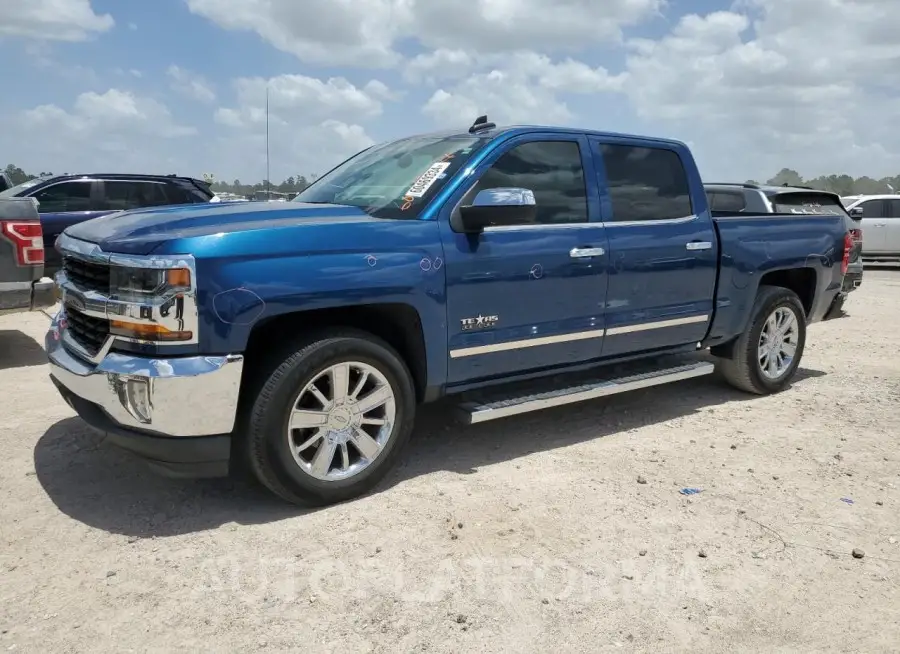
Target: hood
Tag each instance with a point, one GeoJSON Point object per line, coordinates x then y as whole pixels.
{"type": "Point", "coordinates": [143, 230]}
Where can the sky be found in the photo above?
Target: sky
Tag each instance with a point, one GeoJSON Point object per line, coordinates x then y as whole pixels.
{"type": "Point", "coordinates": [179, 86]}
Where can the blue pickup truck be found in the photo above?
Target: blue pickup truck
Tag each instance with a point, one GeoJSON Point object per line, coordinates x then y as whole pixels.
{"type": "Point", "coordinates": [514, 268]}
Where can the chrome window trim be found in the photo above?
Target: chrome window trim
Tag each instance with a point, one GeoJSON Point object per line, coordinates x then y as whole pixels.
{"type": "Point", "coordinates": [664, 221]}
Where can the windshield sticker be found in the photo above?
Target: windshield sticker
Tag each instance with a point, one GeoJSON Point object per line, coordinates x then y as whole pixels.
{"type": "Point", "coordinates": [429, 177]}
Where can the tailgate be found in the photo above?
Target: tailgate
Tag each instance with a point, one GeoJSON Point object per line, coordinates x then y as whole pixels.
{"type": "Point", "coordinates": [14, 267]}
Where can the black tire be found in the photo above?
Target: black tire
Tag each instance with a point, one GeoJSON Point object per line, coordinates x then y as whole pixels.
{"type": "Point", "coordinates": [266, 447]}
{"type": "Point", "coordinates": [740, 366]}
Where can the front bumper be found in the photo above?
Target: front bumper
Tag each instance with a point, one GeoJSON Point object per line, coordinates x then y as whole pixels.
{"type": "Point", "coordinates": [178, 412]}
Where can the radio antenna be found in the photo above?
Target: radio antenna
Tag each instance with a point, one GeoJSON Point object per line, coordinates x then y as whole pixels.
{"type": "Point", "coordinates": [268, 175]}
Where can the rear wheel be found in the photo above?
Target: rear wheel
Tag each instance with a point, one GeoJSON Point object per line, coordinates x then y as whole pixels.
{"type": "Point", "coordinates": [766, 356]}
{"type": "Point", "coordinates": [331, 419]}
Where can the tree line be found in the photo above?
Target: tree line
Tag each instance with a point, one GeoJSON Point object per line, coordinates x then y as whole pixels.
{"type": "Point", "coordinates": [840, 184]}
{"type": "Point", "coordinates": [290, 185]}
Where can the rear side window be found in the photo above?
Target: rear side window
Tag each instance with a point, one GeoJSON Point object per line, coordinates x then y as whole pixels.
{"type": "Point", "coordinates": [65, 196]}
{"type": "Point", "coordinates": [893, 209]}
{"type": "Point", "coordinates": [646, 183]}
{"type": "Point", "coordinates": [184, 192]}
{"type": "Point", "coordinates": [730, 201]}
{"type": "Point", "coordinates": [132, 194]}
{"type": "Point", "coordinates": [807, 203]}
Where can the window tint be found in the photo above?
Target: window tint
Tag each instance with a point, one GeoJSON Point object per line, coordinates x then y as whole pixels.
{"type": "Point", "coordinates": [893, 209]}
{"type": "Point", "coordinates": [872, 208]}
{"type": "Point", "coordinates": [65, 196]}
{"type": "Point", "coordinates": [184, 192]}
{"type": "Point", "coordinates": [731, 201]}
{"type": "Point", "coordinates": [177, 194]}
{"type": "Point", "coordinates": [552, 170]}
{"type": "Point", "coordinates": [810, 203]}
{"type": "Point", "coordinates": [646, 183]}
{"type": "Point", "coordinates": [132, 194]}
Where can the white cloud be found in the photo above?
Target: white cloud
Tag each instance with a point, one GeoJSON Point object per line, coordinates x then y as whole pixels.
{"type": "Point", "coordinates": [364, 32]}
{"type": "Point", "coordinates": [519, 87]}
{"type": "Point", "coordinates": [337, 32]}
{"type": "Point", "coordinates": [313, 123]}
{"type": "Point", "coordinates": [510, 25]}
{"type": "Point", "coordinates": [755, 86]}
{"type": "Point", "coordinates": [52, 20]}
{"type": "Point", "coordinates": [190, 84]}
{"type": "Point", "coordinates": [300, 99]}
{"type": "Point", "coordinates": [102, 130]}
{"type": "Point", "coordinates": [784, 83]}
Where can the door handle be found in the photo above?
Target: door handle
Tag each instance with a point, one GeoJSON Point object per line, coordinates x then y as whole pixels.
{"type": "Point", "coordinates": [698, 245]}
{"type": "Point", "coordinates": [577, 253]}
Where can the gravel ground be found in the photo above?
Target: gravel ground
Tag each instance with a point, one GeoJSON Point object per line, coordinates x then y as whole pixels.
{"type": "Point", "coordinates": [559, 531]}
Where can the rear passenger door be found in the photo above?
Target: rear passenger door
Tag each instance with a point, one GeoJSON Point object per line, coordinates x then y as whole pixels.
{"type": "Point", "coordinates": [663, 250]}
{"type": "Point", "coordinates": [892, 226]}
{"type": "Point", "coordinates": [874, 227]}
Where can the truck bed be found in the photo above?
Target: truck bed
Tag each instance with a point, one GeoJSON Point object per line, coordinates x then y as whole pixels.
{"type": "Point", "coordinates": [751, 246]}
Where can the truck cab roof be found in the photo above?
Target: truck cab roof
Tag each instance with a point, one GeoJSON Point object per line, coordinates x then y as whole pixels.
{"type": "Point", "coordinates": [509, 131]}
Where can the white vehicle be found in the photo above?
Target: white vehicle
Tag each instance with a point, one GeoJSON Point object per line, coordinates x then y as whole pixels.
{"type": "Point", "coordinates": [880, 223]}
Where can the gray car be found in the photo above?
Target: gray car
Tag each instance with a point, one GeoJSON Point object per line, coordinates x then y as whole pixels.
{"type": "Point", "coordinates": [762, 199]}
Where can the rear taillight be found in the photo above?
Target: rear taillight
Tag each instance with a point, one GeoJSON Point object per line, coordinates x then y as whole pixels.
{"type": "Point", "coordinates": [856, 235]}
{"type": "Point", "coordinates": [28, 237]}
{"type": "Point", "coordinates": [848, 245]}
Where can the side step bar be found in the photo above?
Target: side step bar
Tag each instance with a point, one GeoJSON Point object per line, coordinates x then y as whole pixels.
{"type": "Point", "coordinates": [473, 412]}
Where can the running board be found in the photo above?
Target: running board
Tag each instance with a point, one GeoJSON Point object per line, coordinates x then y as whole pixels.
{"type": "Point", "coordinates": [495, 405]}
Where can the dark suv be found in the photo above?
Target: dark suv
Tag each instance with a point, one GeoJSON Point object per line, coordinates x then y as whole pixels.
{"type": "Point", "coordinates": [65, 200]}
{"type": "Point", "coordinates": [758, 199]}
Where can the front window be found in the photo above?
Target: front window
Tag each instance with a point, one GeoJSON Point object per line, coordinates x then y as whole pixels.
{"type": "Point", "coordinates": [396, 179]}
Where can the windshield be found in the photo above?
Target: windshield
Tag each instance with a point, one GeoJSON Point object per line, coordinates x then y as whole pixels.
{"type": "Point", "coordinates": [396, 179]}
{"type": "Point", "coordinates": [15, 190]}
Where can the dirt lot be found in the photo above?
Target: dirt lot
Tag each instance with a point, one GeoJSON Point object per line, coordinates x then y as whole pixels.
{"type": "Point", "coordinates": [532, 534]}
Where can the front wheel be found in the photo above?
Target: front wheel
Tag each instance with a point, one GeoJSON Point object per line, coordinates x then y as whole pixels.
{"type": "Point", "coordinates": [766, 356]}
{"type": "Point", "coordinates": [331, 419]}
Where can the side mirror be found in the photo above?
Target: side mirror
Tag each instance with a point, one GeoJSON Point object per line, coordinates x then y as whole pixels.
{"type": "Point", "coordinates": [496, 207]}
{"type": "Point", "coordinates": [856, 213]}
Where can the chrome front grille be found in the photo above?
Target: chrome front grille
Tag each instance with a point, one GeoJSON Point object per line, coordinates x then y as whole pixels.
{"type": "Point", "coordinates": [89, 332]}
{"type": "Point", "coordinates": [87, 275]}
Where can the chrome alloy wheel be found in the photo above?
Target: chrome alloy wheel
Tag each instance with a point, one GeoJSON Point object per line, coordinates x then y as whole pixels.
{"type": "Point", "coordinates": [341, 421]}
{"type": "Point", "coordinates": [778, 342]}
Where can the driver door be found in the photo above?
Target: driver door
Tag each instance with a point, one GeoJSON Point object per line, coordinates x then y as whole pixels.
{"type": "Point", "coordinates": [530, 296]}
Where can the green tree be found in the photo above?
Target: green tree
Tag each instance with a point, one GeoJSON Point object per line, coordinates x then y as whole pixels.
{"type": "Point", "coordinates": [786, 177]}
{"type": "Point", "coordinates": [17, 175]}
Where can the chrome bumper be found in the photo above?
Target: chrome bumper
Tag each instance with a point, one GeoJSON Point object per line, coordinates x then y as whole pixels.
{"type": "Point", "coordinates": [177, 396]}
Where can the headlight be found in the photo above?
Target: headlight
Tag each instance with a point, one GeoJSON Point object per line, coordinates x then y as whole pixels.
{"type": "Point", "coordinates": [140, 283]}
{"type": "Point", "coordinates": [160, 299]}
